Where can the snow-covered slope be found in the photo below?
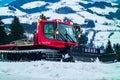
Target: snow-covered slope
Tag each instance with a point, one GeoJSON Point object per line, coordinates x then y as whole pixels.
{"type": "Point", "coordinates": [42, 70]}
{"type": "Point", "coordinates": [77, 10]}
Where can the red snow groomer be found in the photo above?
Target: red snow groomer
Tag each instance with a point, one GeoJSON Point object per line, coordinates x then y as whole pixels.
{"type": "Point", "coordinates": [51, 41]}
{"type": "Point", "coordinates": [54, 40]}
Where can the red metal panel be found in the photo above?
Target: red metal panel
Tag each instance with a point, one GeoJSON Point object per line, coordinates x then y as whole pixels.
{"type": "Point", "coordinates": [7, 46]}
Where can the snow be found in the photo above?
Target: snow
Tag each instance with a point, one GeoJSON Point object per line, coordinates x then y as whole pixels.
{"type": "Point", "coordinates": [43, 70]}
{"type": "Point", "coordinates": [105, 27]}
{"type": "Point", "coordinates": [101, 38]}
{"type": "Point", "coordinates": [33, 4]}
{"type": "Point", "coordinates": [8, 20]}
{"type": "Point", "coordinates": [103, 33]}
{"type": "Point", "coordinates": [90, 36]}
{"type": "Point", "coordinates": [72, 4]}
{"type": "Point", "coordinates": [103, 11]}
{"type": "Point", "coordinates": [5, 11]}
{"type": "Point", "coordinates": [78, 17]}
{"type": "Point", "coordinates": [115, 38]}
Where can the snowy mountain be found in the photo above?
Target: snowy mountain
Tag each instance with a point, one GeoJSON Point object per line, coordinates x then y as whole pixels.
{"type": "Point", "coordinates": [103, 14]}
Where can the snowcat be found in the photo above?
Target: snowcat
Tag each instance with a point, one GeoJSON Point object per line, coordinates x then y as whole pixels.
{"type": "Point", "coordinates": [54, 40]}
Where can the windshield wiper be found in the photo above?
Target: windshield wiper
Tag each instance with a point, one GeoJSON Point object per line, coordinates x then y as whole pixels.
{"type": "Point", "coordinates": [69, 37]}
{"type": "Point", "coordinates": [62, 37]}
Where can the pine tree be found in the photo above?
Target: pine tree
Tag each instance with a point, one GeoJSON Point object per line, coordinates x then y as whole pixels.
{"type": "Point", "coordinates": [17, 30]}
{"type": "Point", "coordinates": [109, 48]}
{"type": "Point", "coordinates": [3, 35]}
{"type": "Point", "coordinates": [117, 50]}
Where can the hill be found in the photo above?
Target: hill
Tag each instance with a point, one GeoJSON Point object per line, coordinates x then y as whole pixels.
{"type": "Point", "coordinates": [104, 15]}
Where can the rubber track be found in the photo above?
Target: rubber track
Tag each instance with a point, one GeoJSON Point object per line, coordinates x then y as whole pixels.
{"type": "Point", "coordinates": [47, 54]}
{"type": "Point", "coordinates": [29, 51]}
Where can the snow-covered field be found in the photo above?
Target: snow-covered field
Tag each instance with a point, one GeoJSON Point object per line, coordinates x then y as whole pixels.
{"type": "Point", "coordinates": [43, 70]}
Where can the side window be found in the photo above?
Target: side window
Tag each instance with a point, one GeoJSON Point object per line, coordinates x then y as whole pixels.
{"type": "Point", "coordinates": [49, 30]}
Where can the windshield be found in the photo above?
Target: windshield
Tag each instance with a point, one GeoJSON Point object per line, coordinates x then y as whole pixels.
{"type": "Point", "coordinates": [67, 31]}
{"type": "Point", "coordinates": [59, 31]}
